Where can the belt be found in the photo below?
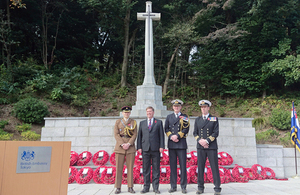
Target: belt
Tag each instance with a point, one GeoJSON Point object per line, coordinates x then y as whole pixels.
{"type": "Point", "coordinates": [126, 136]}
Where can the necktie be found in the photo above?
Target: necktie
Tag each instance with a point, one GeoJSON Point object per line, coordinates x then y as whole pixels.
{"type": "Point", "coordinates": [149, 126]}
{"type": "Point", "coordinates": [204, 117]}
{"type": "Point", "coordinates": [176, 115]}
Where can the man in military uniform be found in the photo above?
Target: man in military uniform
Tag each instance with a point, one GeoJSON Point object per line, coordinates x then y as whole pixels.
{"type": "Point", "coordinates": [125, 133]}
{"type": "Point", "coordinates": [176, 128]}
{"type": "Point", "coordinates": [206, 131]}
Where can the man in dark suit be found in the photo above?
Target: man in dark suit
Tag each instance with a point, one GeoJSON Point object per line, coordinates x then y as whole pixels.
{"type": "Point", "coordinates": [206, 131]}
{"type": "Point", "coordinates": [176, 128]}
{"type": "Point", "coordinates": [151, 142]}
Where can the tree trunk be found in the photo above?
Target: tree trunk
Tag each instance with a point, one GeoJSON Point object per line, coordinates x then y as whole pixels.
{"type": "Point", "coordinates": [44, 34]}
{"type": "Point", "coordinates": [169, 69]}
{"type": "Point", "coordinates": [8, 46]}
{"type": "Point", "coordinates": [126, 49]}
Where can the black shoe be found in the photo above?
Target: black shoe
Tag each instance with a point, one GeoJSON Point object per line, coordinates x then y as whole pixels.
{"type": "Point", "coordinates": [144, 191]}
{"type": "Point", "coordinates": [130, 190]}
{"type": "Point", "coordinates": [172, 190]}
{"type": "Point", "coordinates": [217, 193]}
{"type": "Point", "coordinates": [118, 191]}
{"type": "Point", "coordinates": [200, 192]}
{"type": "Point", "coordinates": [184, 191]}
{"type": "Point", "coordinates": [156, 191]}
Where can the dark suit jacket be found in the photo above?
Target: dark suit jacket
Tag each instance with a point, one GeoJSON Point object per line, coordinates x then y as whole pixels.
{"type": "Point", "coordinates": [153, 139]}
{"type": "Point", "coordinates": [172, 127]}
{"type": "Point", "coordinates": [208, 129]}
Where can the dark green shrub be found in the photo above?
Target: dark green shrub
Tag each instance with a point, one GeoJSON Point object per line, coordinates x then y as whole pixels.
{"type": "Point", "coordinates": [3, 123]}
{"type": "Point", "coordinates": [31, 110]}
{"type": "Point", "coordinates": [281, 119]}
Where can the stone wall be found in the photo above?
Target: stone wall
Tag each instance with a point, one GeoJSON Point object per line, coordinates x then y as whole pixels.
{"type": "Point", "coordinates": [237, 137]}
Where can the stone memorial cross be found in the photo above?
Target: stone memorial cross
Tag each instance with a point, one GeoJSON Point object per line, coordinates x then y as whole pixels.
{"type": "Point", "coordinates": [148, 16]}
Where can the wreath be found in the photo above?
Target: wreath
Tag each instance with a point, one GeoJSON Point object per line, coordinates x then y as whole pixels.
{"type": "Point", "coordinates": [231, 179]}
{"type": "Point", "coordinates": [194, 156]}
{"type": "Point", "coordinates": [251, 174]}
{"type": "Point", "coordinates": [73, 158]}
{"type": "Point", "coordinates": [190, 160]}
{"type": "Point", "coordinates": [138, 160]}
{"type": "Point", "coordinates": [108, 175]}
{"type": "Point", "coordinates": [261, 173]}
{"type": "Point", "coordinates": [97, 174]}
{"type": "Point", "coordinates": [164, 157]}
{"type": "Point", "coordinates": [270, 174]}
{"type": "Point", "coordinates": [72, 174]}
{"type": "Point", "coordinates": [138, 176]}
{"type": "Point", "coordinates": [224, 175]}
{"type": "Point", "coordinates": [84, 158]}
{"type": "Point", "coordinates": [240, 174]}
{"type": "Point", "coordinates": [210, 175]}
{"type": "Point", "coordinates": [224, 158]}
{"type": "Point", "coordinates": [164, 175]}
{"type": "Point", "coordinates": [100, 158]}
{"type": "Point", "coordinates": [85, 175]}
{"type": "Point", "coordinates": [192, 174]}
{"type": "Point", "coordinates": [124, 175]}
{"type": "Point", "coordinates": [112, 159]}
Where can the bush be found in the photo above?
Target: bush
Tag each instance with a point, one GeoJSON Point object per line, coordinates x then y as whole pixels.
{"type": "Point", "coordinates": [259, 123]}
{"type": "Point", "coordinates": [30, 136]}
{"type": "Point", "coordinates": [266, 135]}
{"type": "Point", "coordinates": [281, 119]}
{"type": "Point", "coordinates": [3, 123]}
{"type": "Point", "coordinates": [56, 94]}
{"type": "Point", "coordinates": [24, 127]}
{"type": "Point", "coordinates": [31, 110]}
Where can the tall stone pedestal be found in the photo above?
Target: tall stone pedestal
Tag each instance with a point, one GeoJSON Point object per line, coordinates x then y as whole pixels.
{"type": "Point", "coordinates": [149, 95]}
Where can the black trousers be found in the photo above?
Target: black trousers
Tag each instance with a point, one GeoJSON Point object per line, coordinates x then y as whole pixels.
{"type": "Point", "coordinates": [212, 155]}
{"type": "Point", "coordinates": [149, 156]}
{"type": "Point", "coordinates": [181, 154]}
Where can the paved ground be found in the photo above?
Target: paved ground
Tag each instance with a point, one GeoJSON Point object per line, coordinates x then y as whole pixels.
{"type": "Point", "coordinates": [253, 187]}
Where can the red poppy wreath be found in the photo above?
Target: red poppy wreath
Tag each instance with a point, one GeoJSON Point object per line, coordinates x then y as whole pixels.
{"type": "Point", "coordinates": [100, 158]}
{"type": "Point", "coordinates": [72, 174]}
{"type": "Point", "coordinates": [85, 175]}
{"type": "Point", "coordinates": [97, 174]}
{"type": "Point", "coordinates": [84, 158]}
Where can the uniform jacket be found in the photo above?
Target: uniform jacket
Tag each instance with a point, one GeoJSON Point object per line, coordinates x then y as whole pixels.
{"type": "Point", "coordinates": [121, 136]}
{"type": "Point", "coordinates": [173, 126]}
{"type": "Point", "coordinates": [207, 129]}
{"type": "Point", "coordinates": [153, 139]}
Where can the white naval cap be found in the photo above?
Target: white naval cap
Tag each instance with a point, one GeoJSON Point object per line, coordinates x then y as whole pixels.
{"type": "Point", "coordinates": [204, 103]}
{"type": "Point", "coordinates": [177, 102]}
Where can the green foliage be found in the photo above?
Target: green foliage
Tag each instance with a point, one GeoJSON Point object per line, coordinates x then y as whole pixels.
{"type": "Point", "coordinates": [5, 136]}
{"type": "Point", "coordinates": [259, 123]}
{"type": "Point", "coordinates": [286, 140]}
{"type": "Point", "coordinates": [24, 127]}
{"type": "Point", "coordinates": [80, 100]}
{"type": "Point", "coordinates": [3, 123]}
{"type": "Point", "coordinates": [56, 94]}
{"type": "Point", "coordinates": [114, 104]}
{"type": "Point", "coordinates": [221, 102]}
{"type": "Point", "coordinates": [122, 92]}
{"type": "Point", "coordinates": [31, 110]}
{"type": "Point", "coordinates": [86, 113]}
{"type": "Point", "coordinates": [256, 111]}
{"type": "Point", "coordinates": [42, 82]}
{"type": "Point", "coordinates": [266, 135]}
{"type": "Point", "coordinates": [280, 119]}
{"type": "Point", "coordinates": [30, 136]}
{"type": "Point", "coordinates": [220, 110]}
